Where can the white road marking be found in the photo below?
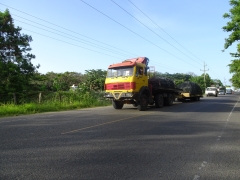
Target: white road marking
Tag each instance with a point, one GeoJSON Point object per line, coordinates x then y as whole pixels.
{"type": "Point", "coordinates": [203, 165]}
{"type": "Point", "coordinates": [196, 177]}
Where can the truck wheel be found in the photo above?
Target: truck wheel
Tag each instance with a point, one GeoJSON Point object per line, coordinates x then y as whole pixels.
{"type": "Point", "coordinates": [143, 104]}
{"type": "Point", "coordinates": [117, 104]}
{"type": "Point", "coordinates": [159, 101]}
{"type": "Point", "coordinates": [169, 100]}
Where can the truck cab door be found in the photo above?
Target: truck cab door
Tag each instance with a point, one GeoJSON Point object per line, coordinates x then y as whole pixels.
{"type": "Point", "coordinates": [141, 77]}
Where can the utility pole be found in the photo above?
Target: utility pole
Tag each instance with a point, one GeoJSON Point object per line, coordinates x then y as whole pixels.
{"type": "Point", "coordinates": [204, 70]}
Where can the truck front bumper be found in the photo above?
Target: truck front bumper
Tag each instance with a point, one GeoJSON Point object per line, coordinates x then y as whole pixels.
{"type": "Point", "coordinates": [120, 95]}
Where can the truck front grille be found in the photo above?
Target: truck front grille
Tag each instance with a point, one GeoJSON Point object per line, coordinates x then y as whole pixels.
{"type": "Point", "coordinates": [120, 86]}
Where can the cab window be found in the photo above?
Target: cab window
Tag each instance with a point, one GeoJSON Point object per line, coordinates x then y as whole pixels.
{"type": "Point", "coordinates": [140, 71]}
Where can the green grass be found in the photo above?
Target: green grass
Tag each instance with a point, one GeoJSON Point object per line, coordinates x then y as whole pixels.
{"type": "Point", "coordinates": [68, 102]}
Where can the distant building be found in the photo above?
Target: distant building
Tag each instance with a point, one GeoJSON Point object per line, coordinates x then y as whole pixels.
{"type": "Point", "coordinates": [73, 87]}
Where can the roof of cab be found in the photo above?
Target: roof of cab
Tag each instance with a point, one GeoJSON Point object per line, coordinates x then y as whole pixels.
{"type": "Point", "coordinates": [128, 62]}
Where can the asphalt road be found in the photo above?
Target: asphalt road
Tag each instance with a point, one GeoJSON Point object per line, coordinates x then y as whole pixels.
{"type": "Point", "coordinates": [189, 140]}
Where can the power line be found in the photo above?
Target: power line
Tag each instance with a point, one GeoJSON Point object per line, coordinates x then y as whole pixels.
{"type": "Point", "coordinates": [94, 50]}
{"type": "Point", "coordinates": [70, 35]}
{"type": "Point", "coordinates": [152, 30]}
{"type": "Point", "coordinates": [71, 44]}
{"type": "Point", "coordinates": [161, 65]}
{"type": "Point", "coordinates": [163, 30]}
{"type": "Point", "coordinates": [94, 39]}
{"type": "Point", "coordinates": [135, 33]}
{"type": "Point", "coordinates": [87, 42]}
{"type": "Point", "coordinates": [166, 33]}
{"type": "Point", "coordinates": [70, 38]}
{"type": "Point", "coordinates": [66, 29]}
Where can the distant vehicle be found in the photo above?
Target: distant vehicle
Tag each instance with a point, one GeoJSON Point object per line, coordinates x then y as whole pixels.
{"type": "Point", "coordinates": [222, 90]}
{"type": "Point", "coordinates": [229, 91]}
{"type": "Point", "coordinates": [211, 91]}
{"type": "Point", "coordinates": [191, 91]}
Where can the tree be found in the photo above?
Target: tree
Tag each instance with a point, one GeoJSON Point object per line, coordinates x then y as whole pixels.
{"type": "Point", "coordinates": [61, 81]}
{"type": "Point", "coordinates": [15, 60]}
{"type": "Point", "coordinates": [199, 80]}
{"type": "Point", "coordinates": [234, 67]}
{"type": "Point", "coordinates": [233, 26]}
{"type": "Point", "coordinates": [178, 78]}
{"type": "Point", "coordinates": [217, 82]}
{"type": "Point", "coordinates": [208, 80]}
{"type": "Point", "coordinates": [95, 79]}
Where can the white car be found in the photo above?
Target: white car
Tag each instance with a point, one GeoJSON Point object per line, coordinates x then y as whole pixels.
{"type": "Point", "coordinates": [221, 92]}
{"type": "Point", "coordinates": [211, 91]}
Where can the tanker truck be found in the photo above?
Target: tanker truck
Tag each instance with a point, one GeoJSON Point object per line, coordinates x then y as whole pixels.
{"type": "Point", "coordinates": [129, 82]}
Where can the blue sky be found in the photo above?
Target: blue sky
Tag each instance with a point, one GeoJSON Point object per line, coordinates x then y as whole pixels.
{"type": "Point", "coordinates": [177, 36]}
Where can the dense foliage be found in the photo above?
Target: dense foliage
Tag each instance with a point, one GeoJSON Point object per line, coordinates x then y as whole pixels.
{"type": "Point", "coordinates": [16, 68]}
{"type": "Point", "coordinates": [233, 26]}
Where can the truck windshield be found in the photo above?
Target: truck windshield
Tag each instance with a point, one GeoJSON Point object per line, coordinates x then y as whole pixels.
{"type": "Point", "coordinates": [120, 71]}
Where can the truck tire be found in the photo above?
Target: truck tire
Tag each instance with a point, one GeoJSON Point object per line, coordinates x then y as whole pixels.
{"type": "Point", "coordinates": [143, 104]}
{"type": "Point", "coordinates": [169, 100]}
{"type": "Point", "coordinates": [159, 101]}
{"type": "Point", "coordinates": [117, 104]}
